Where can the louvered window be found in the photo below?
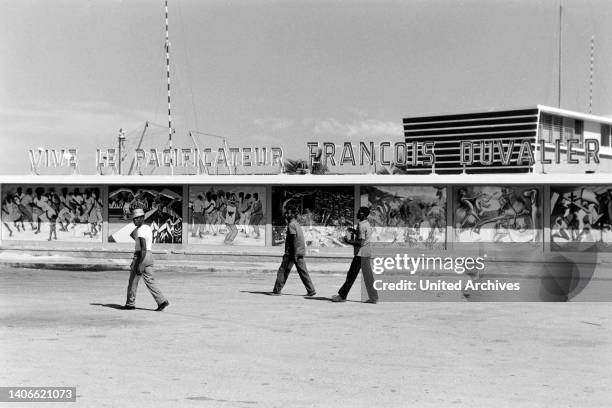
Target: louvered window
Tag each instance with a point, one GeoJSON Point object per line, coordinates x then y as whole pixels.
{"type": "Point", "coordinates": [606, 135]}
{"type": "Point", "coordinates": [554, 127]}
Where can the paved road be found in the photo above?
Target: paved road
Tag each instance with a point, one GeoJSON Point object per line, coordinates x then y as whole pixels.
{"type": "Point", "coordinates": [222, 343]}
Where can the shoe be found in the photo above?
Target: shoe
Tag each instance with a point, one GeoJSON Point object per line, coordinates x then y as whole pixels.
{"type": "Point", "coordinates": [337, 299]}
{"type": "Point", "coordinates": [127, 307]}
{"type": "Point", "coordinates": [313, 293]}
{"type": "Point", "coordinates": [372, 301]}
{"type": "Point", "coordinates": [162, 306]}
{"type": "Point", "coordinates": [273, 293]}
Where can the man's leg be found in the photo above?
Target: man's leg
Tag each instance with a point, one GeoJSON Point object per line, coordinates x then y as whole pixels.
{"type": "Point", "coordinates": [233, 233]}
{"type": "Point", "coordinates": [350, 277]}
{"type": "Point", "coordinates": [300, 264]}
{"type": "Point", "coordinates": [255, 222]}
{"type": "Point", "coordinates": [132, 287]}
{"type": "Point", "coordinates": [283, 273]}
{"type": "Point", "coordinates": [368, 278]}
{"type": "Point", "coordinates": [147, 276]}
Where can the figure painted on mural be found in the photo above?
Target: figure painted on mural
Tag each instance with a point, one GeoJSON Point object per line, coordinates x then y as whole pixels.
{"type": "Point", "coordinates": [197, 216]}
{"type": "Point", "coordinates": [244, 207]}
{"type": "Point", "coordinates": [39, 205]}
{"type": "Point", "coordinates": [51, 211]}
{"type": "Point", "coordinates": [11, 213]}
{"type": "Point", "coordinates": [215, 218]}
{"type": "Point", "coordinates": [257, 215]}
{"type": "Point", "coordinates": [560, 229]}
{"type": "Point", "coordinates": [247, 211]}
{"type": "Point", "coordinates": [78, 198]}
{"type": "Point", "coordinates": [393, 212]}
{"type": "Point", "coordinates": [64, 215]}
{"type": "Point", "coordinates": [469, 204]}
{"type": "Point", "coordinates": [295, 250]}
{"type": "Point", "coordinates": [501, 231]}
{"type": "Point", "coordinates": [93, 209]}
{"type": "Point", "coordinates": [437, 212]}
{"type": "Point", "coordinates": [209, 216]}
{"type": "Point", "coordinates": [25, 206]}
{"type": "Point", "coordinates": [230, 219]}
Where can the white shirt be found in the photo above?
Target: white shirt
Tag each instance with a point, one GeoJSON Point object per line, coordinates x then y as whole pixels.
{"type": "Point", "coordinates": [145, 232]}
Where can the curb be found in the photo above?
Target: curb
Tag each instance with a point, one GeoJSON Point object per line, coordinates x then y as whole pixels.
{"type": "Point", "coordinates": [165, 265]}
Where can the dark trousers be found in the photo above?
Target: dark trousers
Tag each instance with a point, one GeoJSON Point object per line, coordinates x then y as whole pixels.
{"type": "Point", "coordinates": [363, 264]}
{"type": "Point", "coordinates": [285, 268]}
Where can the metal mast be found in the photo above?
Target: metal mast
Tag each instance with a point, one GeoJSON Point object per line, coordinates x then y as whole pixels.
{"type": "Point", "coordinates": [559, 73]}
{"type": "Point", "coordinates": [591, 74]}
{"type": "Point", "coordinates": [168, 77]}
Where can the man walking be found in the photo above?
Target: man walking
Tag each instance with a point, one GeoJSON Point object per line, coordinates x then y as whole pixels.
{"type": "Point", "coordinates": [142, 265]}
{"type": "Point", "coordinates": [361, 259]}
{"type": "Point", "coordinates": [295, 249]}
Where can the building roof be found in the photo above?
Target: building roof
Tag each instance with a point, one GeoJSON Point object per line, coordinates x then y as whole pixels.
{"type": "Point", "coordinates": [541, 108]}
{"type": "Point", "coordinates": [310, 179]}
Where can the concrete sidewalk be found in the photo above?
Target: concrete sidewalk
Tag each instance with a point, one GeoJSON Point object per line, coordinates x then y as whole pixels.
{"type": "Point", "coordinates": [20, 259]}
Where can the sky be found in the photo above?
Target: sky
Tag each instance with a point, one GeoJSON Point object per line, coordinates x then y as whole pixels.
{"type": "Point", "coordinates": [282, 72]}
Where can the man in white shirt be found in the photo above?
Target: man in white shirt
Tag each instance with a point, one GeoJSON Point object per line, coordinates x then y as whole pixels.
{"type": "Point", "coordinates": [142, 265]}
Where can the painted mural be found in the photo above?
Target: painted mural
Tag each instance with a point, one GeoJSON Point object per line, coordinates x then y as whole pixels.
{"type": "Point", "coordinates": [227, 215]}
{"type": "Point", "coordinates": [51, 213]}
{"type": "Point", "coordinates": [163, 207]}
{"type": "Point", "coordinates": [508, 214]}
{"type": "Point", "coordinates": [581, 215]}
{"type": "Point", "coordinates": [407, 216]}
{"type": "Point", "coordinates": [324, 213]}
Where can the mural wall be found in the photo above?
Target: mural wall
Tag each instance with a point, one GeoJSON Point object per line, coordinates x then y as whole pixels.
{"type": "Point", "coordinates": [509, 214]}
{"type": "Point", "coordinates": [56, 213]}
{"type": "Point", "coordinates": [163, 207]}
{"type": "Point", "coordinates": [324, 213]}
{"type": "Point", "coordinates": [227, 215]}
{"type": "Point", "coordinates": [581, 217]}
{"type": "Point", "coordinates": [407, 216]}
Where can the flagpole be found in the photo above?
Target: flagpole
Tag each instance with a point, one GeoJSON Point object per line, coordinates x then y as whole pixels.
{"type": "Point", "coordinates": [168, 77]}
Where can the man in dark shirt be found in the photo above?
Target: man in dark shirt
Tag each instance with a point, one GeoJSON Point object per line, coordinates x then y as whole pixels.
{"type": "Point", "coordinates": [362, 251]}
{"type": "Point", "coordinates": [295, 249]}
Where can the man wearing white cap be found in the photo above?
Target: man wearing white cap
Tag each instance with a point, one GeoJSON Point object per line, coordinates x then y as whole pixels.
{"type": "Point", "coordinates": [143, 264]}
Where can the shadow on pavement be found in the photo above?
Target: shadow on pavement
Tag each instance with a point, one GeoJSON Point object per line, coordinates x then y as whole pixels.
{"type": "Point", "coordinates": [329, 299]}
{"type": "Point", "coordinates": [118, 307]}
{"type": "Point", "coordinates": [259, 292]}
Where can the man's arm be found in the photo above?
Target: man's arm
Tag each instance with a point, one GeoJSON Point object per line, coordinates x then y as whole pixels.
{"type": "Point", "coordinates": [357, 240]}
{"type": "Point", "coordinates": [295, 244]}
{"type": "Point", "coordinates": [290, 243]}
